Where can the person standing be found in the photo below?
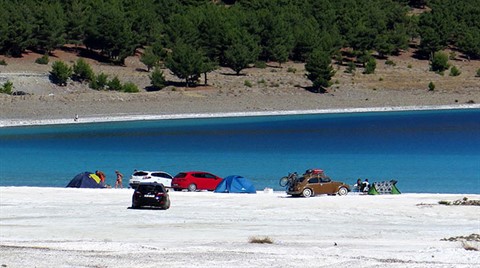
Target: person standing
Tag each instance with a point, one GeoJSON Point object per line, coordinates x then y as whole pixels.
{"type": "Point", "coordinates": [102, 177]}
{"type": "Point", "coordinates": [359, 185]}
{"type": "Point", "coordinates": [119, 182]}
{"type": "Point", "coordinates": [366, 185]}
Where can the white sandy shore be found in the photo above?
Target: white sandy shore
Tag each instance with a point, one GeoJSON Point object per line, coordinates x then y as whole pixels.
{"type": "Point", "coordinates": [59, 227]}
{"type": "Point", "coordinates": [113, 118]}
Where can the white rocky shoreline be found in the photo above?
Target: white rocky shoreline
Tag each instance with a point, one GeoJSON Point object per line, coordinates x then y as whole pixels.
{"type": "Point", "coordinates": [117, 118]}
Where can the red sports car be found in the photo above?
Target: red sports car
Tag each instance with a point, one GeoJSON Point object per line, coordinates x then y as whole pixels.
{"type": "Point", "coordinates": [195, 180]}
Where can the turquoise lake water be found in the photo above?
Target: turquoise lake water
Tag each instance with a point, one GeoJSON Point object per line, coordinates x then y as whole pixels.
{"type": "Point", "coordinates": [425, 151]}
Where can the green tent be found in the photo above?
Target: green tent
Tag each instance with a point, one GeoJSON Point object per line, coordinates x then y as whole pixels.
{"type": "Point", "coordinates": [384, 187]}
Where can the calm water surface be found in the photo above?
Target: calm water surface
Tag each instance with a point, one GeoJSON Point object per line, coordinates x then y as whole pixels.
{"type": "Point", "coordinates": [425, 151]}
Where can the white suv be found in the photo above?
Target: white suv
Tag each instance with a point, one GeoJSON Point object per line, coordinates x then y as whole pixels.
{"type": "Point", "coordinates": [141, 176]}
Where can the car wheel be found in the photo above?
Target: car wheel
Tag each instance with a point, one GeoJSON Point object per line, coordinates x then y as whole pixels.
{"type": "Point", "coordinates": [307, 192]}
{"type": "Point", "coordinates": [342, 191]}
{"type": "Point", "coordinates": [192, 187]}
{"type": "Point", "coordinates": [167, 204]}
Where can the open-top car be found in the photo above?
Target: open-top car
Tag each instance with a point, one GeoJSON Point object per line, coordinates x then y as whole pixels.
{"type": "Point", "coordinates": [313, 182]}
{"type": "Point", "coordinates": [141, 176]}
{"type": "Point", "coordinates": [151, 195]}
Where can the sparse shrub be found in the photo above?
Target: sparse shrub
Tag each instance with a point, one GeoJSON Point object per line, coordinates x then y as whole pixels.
{"type": "Point", "coordinates": [149, 58]}
{"type": "Point", "coordinates": [7, 88]}
{"type": "Point", "coordinates": [478, 72]}
{"type": "Point", "coordinates": [261, 81]}
{"type": "Point", "coordinates": [370, 66]}
{"type": "Point", "coordinates": [439, 62]}
{"type": "Point", "coordinates": [102, 80]}
{"type": "Point", "coordinates": [454, 71]}
{"type": "Point", "coordinates": [130, 87]}
{"type": "Point", "coordinates": [260, 240]}
{"type": "Point", "coordinates": [337, 82]}
{"type": "Point", "coordinates": [93, 84]}
{"type": "Point", "coordinates": [82, 71]}
{"type": "Point", "coordinates": [338, 57]}
{"type": "Point", "coordinates": [99, 82]}
{"type": "Point", "coordinates": [3, 62]}
{"type": "Point", "coordinates": [247, 83]}
{"type": "Point", "coordinates": [351, 67]}
{"type": "Point", "coordinates": [261, 64]}
{"type": "Point", "coordinates": [274, 84]}
{"type": "Point", "coordinates": [291, 70]}
{"type": "Point", "coordinates": [452, 55]}
{"type": "Point", "coordinates": [380, 79]}
{"type": "Point", "coordinates": [60, 73]}
{"type": "Point", "coordinates": [363, 57]}
{"type": "Point", "coordinates": [42, 60]}
{"type": "Point", "coordinates": [409, 66]}
{"type": "Point", "coordinates": [431, 86]}
{"type": "Point", "coordinates": [115, 84]}
{"type": "Point", "coordinates": [157, 79]}
{"type": "Point", "coordinates": [390, 63]}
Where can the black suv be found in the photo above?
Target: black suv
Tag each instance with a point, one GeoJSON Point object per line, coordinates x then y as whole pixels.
{"type": "Point", "coordinates": [152, 195]}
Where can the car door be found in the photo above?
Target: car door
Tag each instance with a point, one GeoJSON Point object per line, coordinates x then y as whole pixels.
{"type": "Point", "coordinates": [211, 181]}
{"type": "Point", "coordinates": [163, 178]}
{"type": "Point", "coordinates": [199, 180]}
{"type": "Point", "coordinates": [326, 186]}
{"type": "Point", "coordinates": [314, 184]}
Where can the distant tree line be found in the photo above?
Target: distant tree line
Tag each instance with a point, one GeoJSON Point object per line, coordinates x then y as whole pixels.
{"type": "Point", "coordinates": [193, 37]}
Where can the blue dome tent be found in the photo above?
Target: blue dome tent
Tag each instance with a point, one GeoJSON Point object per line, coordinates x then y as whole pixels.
{"type": "Point", "coordinates": [236, 184]}
{"type": "Point", "coordinates": [86, 180]}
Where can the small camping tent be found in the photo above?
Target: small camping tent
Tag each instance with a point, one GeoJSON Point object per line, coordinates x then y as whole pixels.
{"type": "Point", "coordinates": [86, 180]}
{"type": "Point", "coordinates": [236, 184]}
{"type": "Point", "coordinates": [384, 187]}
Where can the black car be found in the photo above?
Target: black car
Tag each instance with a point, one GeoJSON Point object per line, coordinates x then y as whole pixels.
{"type": "Point", "coordinates": [152, 195]}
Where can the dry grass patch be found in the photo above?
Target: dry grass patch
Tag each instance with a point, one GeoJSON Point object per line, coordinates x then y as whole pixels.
{"type": "Point", "coordinates": [260, 240]}
{"type": "Point", "coordinates": [470, 242]}
{"type": "Point", "coordinates": [460, 202]}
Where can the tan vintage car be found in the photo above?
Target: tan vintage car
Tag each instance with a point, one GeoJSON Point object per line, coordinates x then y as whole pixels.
{"type": "Point", "coordinates": [314, 184]}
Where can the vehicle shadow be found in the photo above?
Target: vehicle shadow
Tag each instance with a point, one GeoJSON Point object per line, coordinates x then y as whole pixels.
{"type": "Point", "coordinates": [147, 208]}
{"type": "Point", "coordinates": [290, 196]}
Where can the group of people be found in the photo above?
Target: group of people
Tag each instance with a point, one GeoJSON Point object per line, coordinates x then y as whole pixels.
{"type": "Point", "coordinates": [118, 182]}
{"type": "Point", "coordinates": [362, 186]}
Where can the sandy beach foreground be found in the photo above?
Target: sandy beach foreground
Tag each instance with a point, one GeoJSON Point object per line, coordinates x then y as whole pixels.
{"type": "Point", "coordinates": [58, 227]}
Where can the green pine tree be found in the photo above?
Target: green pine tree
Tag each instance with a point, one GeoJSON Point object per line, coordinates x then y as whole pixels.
{"type": "Point", "coordinates": [319, 70]}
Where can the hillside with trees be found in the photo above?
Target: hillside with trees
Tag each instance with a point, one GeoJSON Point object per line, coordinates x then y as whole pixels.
{"type": "Point", "coordinates": [194, 37]}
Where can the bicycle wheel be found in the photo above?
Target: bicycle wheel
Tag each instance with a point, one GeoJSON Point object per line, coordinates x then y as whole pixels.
{"type": "Point", "coordinates": [284, 181]}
